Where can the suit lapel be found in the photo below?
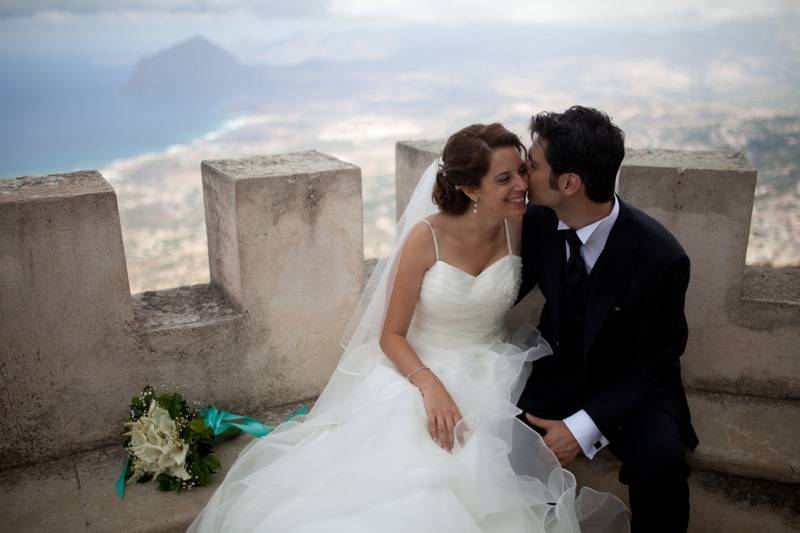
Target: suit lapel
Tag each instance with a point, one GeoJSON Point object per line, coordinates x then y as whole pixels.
{"type": "Point", "coordinates": [611, 274]}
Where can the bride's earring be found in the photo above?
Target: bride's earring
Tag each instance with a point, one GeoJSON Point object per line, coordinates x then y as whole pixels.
{"type": "Point", "coordinates": [475, 206]}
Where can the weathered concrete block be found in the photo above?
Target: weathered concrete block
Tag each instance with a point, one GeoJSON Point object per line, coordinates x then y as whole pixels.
{"type": "Point", "coordinates": [76, 346]}
{"type": "Point", "coordinates": [706, 199]}
{"type": "Point", "coordinates": [65, 305]}
{"type": "Point", "coordinates": [720, 503]}
{"type": "Point", "coordinates": [76, 493]}
{"type": "Point", "coordinates": [294, 225]}
{"type": "Point", "coordinates": [747, 436]}
{"type": "Point", "coordinates": [411, 160]}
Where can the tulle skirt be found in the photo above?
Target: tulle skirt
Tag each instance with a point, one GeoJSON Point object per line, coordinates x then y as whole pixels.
{"type": "Point", "coordinates": [363, 460]}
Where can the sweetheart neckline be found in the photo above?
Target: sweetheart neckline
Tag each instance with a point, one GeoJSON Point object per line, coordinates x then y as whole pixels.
{"type": "Point", "coordinates": [482, 272]}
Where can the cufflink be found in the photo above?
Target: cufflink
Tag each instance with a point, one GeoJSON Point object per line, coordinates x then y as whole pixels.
{"type": "Point", "coordinates": [616, 308]}
{"type": "Point", "coordinates": [597, 445]}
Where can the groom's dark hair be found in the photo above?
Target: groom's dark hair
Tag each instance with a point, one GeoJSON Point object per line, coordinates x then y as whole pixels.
{"type": "Point", "coordinates": [584, 141]}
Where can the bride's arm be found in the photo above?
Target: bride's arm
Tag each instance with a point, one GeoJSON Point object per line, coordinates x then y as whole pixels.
{"type": "Point", "coordinates": [417, 257]}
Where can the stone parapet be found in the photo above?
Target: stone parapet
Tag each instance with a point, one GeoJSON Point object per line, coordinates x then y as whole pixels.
{"type": "Point", "coordinates": [286, 256]}
{"type": "Point", "coordinates": [720, 503]}
{"type": "Point", "coordinates": [64, 304]}
{"type": "Point", "coordinates": [744, 331]}
{"type": "Point", "coordinates": [747, 435]}
{"type": "Point", "coordinates": [411, 160]}
{"type": "Point", "coordinates": [294, 223]}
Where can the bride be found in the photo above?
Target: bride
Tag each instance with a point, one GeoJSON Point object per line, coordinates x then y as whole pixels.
{"type": "Point", "coordinates": [416, 431]}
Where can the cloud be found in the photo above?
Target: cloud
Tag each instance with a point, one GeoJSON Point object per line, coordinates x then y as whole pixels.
{"type": "Point", "coordinates": [549, 11]}
{"type": "Point", "coordinates": [338, 47]}
{"type": "Point", "coordinates": [263, 8]}
{"type": "Point", "coordinates": [444, 11]}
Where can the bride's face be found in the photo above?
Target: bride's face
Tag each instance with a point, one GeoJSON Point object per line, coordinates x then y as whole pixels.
{"type": "Point", "coordinates": [503, 188]}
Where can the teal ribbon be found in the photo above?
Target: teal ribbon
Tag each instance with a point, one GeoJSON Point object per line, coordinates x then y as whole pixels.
{"type": "Point", "coordinates": [121, 478]}
{"type": "Point", "coordinates": [219, 421]}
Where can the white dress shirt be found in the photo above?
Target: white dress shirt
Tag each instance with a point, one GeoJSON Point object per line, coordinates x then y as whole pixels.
{"type": "Point", "coordinates": [593, 237]}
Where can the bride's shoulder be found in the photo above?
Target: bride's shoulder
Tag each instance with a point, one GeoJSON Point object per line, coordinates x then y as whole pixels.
{"type": "Point", "coordinates": [420, 247]}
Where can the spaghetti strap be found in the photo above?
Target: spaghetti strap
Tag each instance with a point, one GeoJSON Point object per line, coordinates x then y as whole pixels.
{"type": "Point", "coordinates": [435, 242]}
{"type": "Point", "coordinates": [508, 238]}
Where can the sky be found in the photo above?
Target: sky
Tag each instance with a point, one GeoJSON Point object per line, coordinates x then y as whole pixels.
{"type": "Point", "coordinates": [120, 31]}
{"type": "Point", "coordinates": [416, 10]}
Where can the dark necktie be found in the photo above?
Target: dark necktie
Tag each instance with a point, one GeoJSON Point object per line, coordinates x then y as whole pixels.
{"type": "Point", "coordinates": [576, 291]}
{"type": "Point", "coordinates": [575, 271]}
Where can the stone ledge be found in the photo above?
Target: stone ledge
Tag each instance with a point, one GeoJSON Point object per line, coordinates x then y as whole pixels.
{"type": "Point", "coordinates": [720, 503]}
{"type": "Point", "coordinates": [192, 305]}
{"type": "Point", "coordinates": [77, 493]}
{"type": "Point", "coordinates": [745, 435]}
{"type": "Point", "coordinates": [686, 160]}
{"type": "Point", "coordinates": [53, 186]}
{"type": "Point", "coordinates": [282, 165]}
{"type": "Point", "coordinates": [770, 298]}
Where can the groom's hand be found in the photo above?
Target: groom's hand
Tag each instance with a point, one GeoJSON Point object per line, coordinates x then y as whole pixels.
{"type": "Point", "coordinates": [558, 438]}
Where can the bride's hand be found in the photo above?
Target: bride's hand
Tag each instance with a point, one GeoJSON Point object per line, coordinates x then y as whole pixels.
{"type": "Point", "coordinates": [443, 414]}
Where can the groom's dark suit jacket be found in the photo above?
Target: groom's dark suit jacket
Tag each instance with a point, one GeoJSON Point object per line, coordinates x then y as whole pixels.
{"type": "Point", "coordinates": [635, 328]}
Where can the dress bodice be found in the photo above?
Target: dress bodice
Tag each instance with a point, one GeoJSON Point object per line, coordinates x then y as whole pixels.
{"type": "Point", "coordinates": [456, 308]}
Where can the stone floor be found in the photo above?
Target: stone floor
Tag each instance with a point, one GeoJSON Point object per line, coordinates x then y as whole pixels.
{"type": "Point", "coordinates": [77, 494]}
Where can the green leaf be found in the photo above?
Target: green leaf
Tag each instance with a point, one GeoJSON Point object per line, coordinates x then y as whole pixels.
{"type": "Point", "coordinates": [212, 463]}
{"type": "Point", "coordinates": [167, 482]}
{"type": "Point", "coordinates": [174, 404]}
{"type": "Point", "coordinates": [205, 446]}
{"type": "Point", "coordinates": [199, 427]}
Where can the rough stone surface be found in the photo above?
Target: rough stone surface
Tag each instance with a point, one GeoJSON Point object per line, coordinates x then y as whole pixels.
{"type": "Point", "coordinates": [77, 493]}
{"type": "Point", "coordinates": [720, 503]}
{"type": "Point", "coordinates": [746, 435]}
{"type": "Point", "coordinates": [75, 346]}
{"type": "Point", "coordinates": [685, 160]}
{"type": "Point", "coordinates": [779, 285]}
{"type": "Point", "coordinates": [42, 498]}
{"type": "Point", "coordinates": [736, 343]}
{"type": "Point", "coordinates": [65, 306]}
{"type": "Point", "coordinates": [282, 165]}
{"type": "Point", "coordinates": [181, 306]}
{"type": "Point", "coordinates": [770, 301]}
{"type": "Point", "coordinates": [54, 186]}
{"type": "Point", "coordinates": [411, 160]}
{"type": "Point", "coordinates": [286, 246]}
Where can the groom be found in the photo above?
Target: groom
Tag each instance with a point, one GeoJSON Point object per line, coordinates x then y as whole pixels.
{"type": "Point", "coordinates": [614, 281]}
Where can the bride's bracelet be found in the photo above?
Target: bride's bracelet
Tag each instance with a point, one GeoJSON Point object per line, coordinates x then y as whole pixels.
{"type": "Point", "coordinates": [408, 377]}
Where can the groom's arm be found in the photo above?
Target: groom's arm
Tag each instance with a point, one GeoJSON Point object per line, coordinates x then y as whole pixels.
{"type": "Point", "coordinates": [660, 341]}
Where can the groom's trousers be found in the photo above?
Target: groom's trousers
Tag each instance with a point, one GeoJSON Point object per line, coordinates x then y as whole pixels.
{"type": "Point", "coordinates": [653, 455]}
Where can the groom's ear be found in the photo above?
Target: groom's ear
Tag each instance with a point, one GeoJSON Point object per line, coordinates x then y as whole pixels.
{"type": "Point", "coordinates": [570, 183]}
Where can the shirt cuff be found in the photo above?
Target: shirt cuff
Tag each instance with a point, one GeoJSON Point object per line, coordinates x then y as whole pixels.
{"type": "Point", "coordinates": [586, 433]}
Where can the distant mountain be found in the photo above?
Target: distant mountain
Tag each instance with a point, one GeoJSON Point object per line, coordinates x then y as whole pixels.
{"type": "Point", "coordinates": [195, 68]}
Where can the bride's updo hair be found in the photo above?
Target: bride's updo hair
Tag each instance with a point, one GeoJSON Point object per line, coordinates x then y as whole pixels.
{"type": "Point", "coordinates": [465, 161]}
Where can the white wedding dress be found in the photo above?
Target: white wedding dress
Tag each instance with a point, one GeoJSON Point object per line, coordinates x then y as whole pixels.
{"type": "Point", "coordinates": [368, 464]}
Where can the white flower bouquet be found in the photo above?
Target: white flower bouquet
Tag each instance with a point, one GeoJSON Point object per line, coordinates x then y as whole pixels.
{"type": "Point", "coordinates": [174, 444]}
{"type": "Point", "coordinates": [167, 441]}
